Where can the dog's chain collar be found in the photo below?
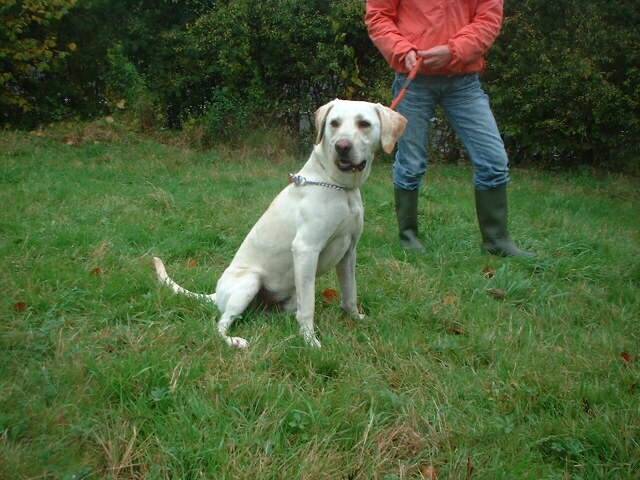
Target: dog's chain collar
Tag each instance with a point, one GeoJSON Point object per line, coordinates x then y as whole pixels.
{"type": "Point", "coordinates": [300, 181]}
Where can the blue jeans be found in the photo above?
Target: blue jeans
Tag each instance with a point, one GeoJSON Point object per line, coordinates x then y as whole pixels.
{"type": "Point", "coordinates": [466, 105]}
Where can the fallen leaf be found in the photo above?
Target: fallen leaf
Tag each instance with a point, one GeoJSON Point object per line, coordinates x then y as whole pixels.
{"type": "Point", "coordinates": [429, 472]}
{"type": "Point", "coordinates": [497, 293]}
{"type": "Point", "coordinates": [20, 306]}
{"type": "Point", "coordinates": [101, 250]}
{"type": "Point", "coordinates": [488, 272]}
{"type": "Point", "coordinates": [192, 263]}
{"type": "Point", "coordinates": [450, 300]}
{"type": "Point", "coordinates": [96, 271]}
{"type": "Point", "coordinates": [330, 295]}
{"type": "Point", "coordinates": [627, 357]}
{"type": "Point", "coordinates": [456, 330]}
{"type": "Point", "coordinates": [469, 468]}
{"type": "Point", "coordinates": [61, 419]}
{"type": "Point", "coordinates": [121, 104]}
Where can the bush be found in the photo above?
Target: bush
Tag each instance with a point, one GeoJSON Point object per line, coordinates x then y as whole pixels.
{"type": "Point", "coordinates": [565, 80]}
{"type": "Point", "coordinates": [126, 89]}
{"type": "Point", "coordinates": [225, 119]}
{"type": "Point", "coordinates": [30, 53]}
{"type": "Point", "coordinates": [293, 55]}
{"type": "Point", "coordinates": [122, 81]}
{"type": "Point", "coordinates": [563, 77]}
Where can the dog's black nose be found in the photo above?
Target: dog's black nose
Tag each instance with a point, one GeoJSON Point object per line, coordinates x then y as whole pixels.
{"type": "Point", "coordinates": [343, 147]}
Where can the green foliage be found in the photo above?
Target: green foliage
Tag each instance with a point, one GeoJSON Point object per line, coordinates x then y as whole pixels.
{"type": "Point", "coordinates": [293, 55]}
{"type": "Point", "coordinates": [563, 77]}
{"type": "Point", "coordinates": [226, 116]}
{"type": "Point", "coordinates": [126, 89]}
{"type": "Point", "coordinates": [565, 80]}
{"type": "Point", "coordinates": [29, 52]}
{"type": "Point", "coordinates": [122, 81]}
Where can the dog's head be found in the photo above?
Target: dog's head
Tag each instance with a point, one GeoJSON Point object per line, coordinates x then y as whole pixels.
{"type": "Point", "coordinates": [349, 133]}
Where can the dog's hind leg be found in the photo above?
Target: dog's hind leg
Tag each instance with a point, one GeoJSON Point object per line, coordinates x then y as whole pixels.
{"type": "Point", "coordinates": [290, 305]}
{"type": "Point", "coordinates": [244, 290]}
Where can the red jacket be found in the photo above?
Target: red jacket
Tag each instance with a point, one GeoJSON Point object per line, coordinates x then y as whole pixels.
{"type": "Point", "coordinates": [469, 27]}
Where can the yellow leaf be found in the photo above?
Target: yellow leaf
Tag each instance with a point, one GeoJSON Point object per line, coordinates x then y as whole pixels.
{"type": "Point", "coordinates": [450, 299]}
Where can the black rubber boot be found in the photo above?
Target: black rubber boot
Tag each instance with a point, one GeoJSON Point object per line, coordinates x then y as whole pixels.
{"type": "Point", "coordinates": [407, 213]}
{"type": "Point", "coordinates": [491, 206]}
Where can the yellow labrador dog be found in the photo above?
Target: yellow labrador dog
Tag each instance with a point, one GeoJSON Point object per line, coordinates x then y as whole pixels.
{"type": "Point", "coordinates": [312, 226]}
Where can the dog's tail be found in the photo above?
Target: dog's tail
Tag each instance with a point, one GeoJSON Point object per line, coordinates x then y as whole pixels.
{"type": "Point", "coordinates": [165, 279]}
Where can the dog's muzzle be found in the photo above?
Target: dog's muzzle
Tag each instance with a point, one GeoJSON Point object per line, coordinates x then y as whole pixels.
{"type": "Point", "coordinates": [347, 166]}
{"type": "Point", "coordinates": [343, 162]}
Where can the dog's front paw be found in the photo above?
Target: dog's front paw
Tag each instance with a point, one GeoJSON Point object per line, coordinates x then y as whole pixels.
{"type": "Point", "coordinates": [311, 340]}
{"type": "Point", "coordinates": [353, 313]}
{"type": "Point", "coordinates": [237, 342]}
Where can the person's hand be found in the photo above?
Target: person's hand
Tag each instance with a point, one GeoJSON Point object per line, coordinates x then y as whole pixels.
{"type": "Point", "coordinates": [436, 57]}
{"type": "Point", "coordinates": [410, 60]}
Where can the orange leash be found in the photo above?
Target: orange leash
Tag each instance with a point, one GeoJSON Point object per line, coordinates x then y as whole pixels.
{"type": "Point", "coordinates": [407, 82]}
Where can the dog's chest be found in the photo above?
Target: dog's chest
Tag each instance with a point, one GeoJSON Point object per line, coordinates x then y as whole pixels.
{"type": "Point", "coordinates": [347, 233]}
{"type": "Point", "coordinates": [354, 216]}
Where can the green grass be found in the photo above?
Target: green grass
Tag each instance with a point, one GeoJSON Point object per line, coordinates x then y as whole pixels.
{"type": "Point", "coordinates": [105, 374]}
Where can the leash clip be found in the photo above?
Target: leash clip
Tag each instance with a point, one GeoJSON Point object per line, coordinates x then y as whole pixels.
{"type": "Point", "coordinates": [297, 180]}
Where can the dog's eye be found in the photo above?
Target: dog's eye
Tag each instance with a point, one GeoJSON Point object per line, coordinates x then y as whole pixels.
{"type": "Point", "coordinates": [364, 124]}
{"type": "Point", "coordinates": [335, 123]}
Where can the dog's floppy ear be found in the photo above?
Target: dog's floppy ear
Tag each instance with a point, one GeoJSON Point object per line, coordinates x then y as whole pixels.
{"type": "Point", "coordinates": [392, 126]}
{"type": "Point", "coordinates": [321, 117]}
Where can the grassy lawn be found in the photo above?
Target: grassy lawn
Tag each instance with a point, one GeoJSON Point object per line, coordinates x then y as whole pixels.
{"type": "Point", "coordinates": [105, 374]}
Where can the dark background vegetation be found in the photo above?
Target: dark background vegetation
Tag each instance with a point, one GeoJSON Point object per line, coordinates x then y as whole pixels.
{"type": "Point", "coordinates": [564, 76]}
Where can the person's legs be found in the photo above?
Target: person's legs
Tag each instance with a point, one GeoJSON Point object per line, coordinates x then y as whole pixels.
{"type": "Point", "coordinates": [410, 163]}
{"type": "Point", "coordinates": [467, 108]}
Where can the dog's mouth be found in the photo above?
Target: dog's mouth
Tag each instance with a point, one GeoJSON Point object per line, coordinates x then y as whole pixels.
{"type": "Point", "coordinates": [346, 166]}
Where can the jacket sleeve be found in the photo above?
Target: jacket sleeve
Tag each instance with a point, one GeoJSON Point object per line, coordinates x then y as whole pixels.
{"type": "Point", "coordinates": [380, 18]}
{"type": "Point", "coordinates": [475, 39]}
